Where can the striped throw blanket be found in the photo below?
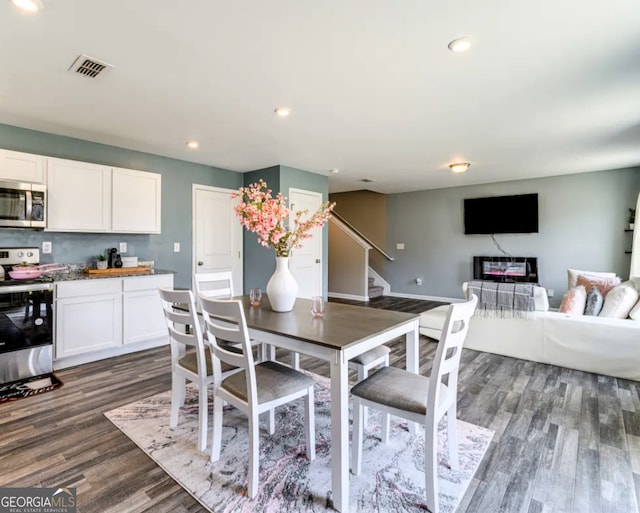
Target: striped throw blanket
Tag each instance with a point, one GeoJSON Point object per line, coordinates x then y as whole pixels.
{"type": "Point", "coordinates": [502, 299]}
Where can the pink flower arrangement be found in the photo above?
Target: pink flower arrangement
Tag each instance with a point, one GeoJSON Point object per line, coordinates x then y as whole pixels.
{"type": "Point", "coordinates": [261, 213]}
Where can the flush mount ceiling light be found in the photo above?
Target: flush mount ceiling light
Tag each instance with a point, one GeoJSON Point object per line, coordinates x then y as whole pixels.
{"type": "Point", "coordinates": [193, 144]}
{"type": "Point", "coordinates": [28, 5]}
{"type": "Point", "coordinates": [334, 171]}
{"type": "Point", "coordinates": [462, 44]}
{"type": "Point", "coordinates": [459, 167]}
{"type": "Point", "coordinates": [282, 112]}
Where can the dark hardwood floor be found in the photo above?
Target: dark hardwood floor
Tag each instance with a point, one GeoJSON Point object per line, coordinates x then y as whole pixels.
{"type": "Point", "coordinates": [566, 441]}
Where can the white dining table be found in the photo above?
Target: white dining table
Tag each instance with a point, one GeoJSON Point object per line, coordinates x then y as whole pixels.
{"type": "Point", "coordinates": [344, 332]}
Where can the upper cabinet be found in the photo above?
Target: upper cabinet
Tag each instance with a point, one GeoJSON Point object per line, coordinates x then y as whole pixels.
{"type": "Point", "coordinates": [78, 196]}
{"type": "Point", "coordinates": [21, 167]}
{"type": "Point", "coordinates": [136, 204]}
{"type": "Point", "coordinates": [86, 197]}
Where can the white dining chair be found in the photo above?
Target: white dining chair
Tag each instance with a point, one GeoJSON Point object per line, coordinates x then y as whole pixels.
{"type": "Point", "coordinates": [362, 364]}
{"type": "Point", "coordinates": [420, 399]}
{"type": "Point", "coordinates": [217, 284]}
{"type": "Point", "coordinates": [190, 358]}
{"type": "Point", "coordinates": [257, 388]}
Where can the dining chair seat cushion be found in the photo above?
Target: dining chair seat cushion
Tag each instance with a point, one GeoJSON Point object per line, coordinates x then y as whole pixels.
{"type": "Point", "coordinates": [397, 388]}
{"type": "Point", "coordinates": [190, 362]}
{"type": "Point", "coordinates": [371, 355]}
{"type": "Point", "coordinates": [273, 381]}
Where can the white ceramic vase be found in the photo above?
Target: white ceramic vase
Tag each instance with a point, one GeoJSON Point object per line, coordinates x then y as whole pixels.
{"type": "Point", "coordinates": [282, 288]}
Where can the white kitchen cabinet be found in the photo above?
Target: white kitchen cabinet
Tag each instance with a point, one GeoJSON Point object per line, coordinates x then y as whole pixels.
{"type": "Point", "coordinates": [88, 316]}
{"type": "Point", "coordinates": [86, 197]}
{"type": "Point", "coordinates": [136, 206]}
{"type": "Point", "coordinates": [101, 318]}
{"type": "Point", "coordinates": [78, 196]}
{"type": "Point", "coordinates": [21, 167]}
{"type": "Point", "coordinates": [142, 314]}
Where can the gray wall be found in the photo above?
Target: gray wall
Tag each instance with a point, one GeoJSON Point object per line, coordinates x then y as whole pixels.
{"type": "Point", "coordinates": [582, 218]}
{"type": "Point", "coordinates": [177, 179]}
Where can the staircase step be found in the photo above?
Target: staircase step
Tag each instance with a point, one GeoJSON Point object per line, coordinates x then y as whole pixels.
{"type": "Point", "coordinates": [376, 291]}
{"type": "Point", "coordinates": [371, 280]}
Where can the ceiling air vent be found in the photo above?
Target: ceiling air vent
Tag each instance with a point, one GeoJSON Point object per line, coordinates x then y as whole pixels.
{"type": "Point", "coordinates": [89, 67]}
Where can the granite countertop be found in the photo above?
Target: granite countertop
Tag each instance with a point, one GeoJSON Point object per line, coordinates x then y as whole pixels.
{"type": "Point", "coordinates": [76, 272]}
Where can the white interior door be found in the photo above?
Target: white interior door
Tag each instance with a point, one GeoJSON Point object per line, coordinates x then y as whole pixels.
{"type": "Point", "coordinates": [217, 233]}
{"type": "Point", "coordinates": [306, 263]}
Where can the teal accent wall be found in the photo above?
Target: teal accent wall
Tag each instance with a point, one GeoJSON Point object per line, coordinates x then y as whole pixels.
{"type": "Point", "coordinates": [259, 262]}
{"type": "Point", "coordinates": [177, 179]}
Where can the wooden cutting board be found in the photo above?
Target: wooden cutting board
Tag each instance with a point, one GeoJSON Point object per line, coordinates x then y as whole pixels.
{"type": "Point", "coordinates": [118, 271]}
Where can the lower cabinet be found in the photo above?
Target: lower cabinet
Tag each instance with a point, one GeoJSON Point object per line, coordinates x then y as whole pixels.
{"type": "Point", "coordinates": [100, 318]}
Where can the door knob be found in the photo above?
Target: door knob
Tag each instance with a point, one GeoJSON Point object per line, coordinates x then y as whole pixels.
{"type": "Point", "coordinates": [200, 262]}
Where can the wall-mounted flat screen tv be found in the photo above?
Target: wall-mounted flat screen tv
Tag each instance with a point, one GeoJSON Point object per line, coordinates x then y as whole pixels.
{"type": "Point", "coordinates": [501, 214]}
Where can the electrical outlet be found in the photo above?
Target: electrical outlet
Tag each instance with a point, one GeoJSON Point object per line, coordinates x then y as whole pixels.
{"type": "Point", "coordinates": [418, 281]}
{"type": "Point", "coordinates": [123, 247]}
{"type": "Point", "coordinates": [47, 247]}
{"type": "Point", "coordinates": [400, 245]}
{"type": "Point", "coordinates": [176, 247]}
{"type": "Point", "coordinates": [550, 292]}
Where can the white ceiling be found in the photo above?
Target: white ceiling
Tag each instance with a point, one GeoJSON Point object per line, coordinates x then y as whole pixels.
{"type": "Point", "coordinates": [550, 86]}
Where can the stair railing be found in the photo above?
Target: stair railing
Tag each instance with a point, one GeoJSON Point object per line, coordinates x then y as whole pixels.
{"type": "Point", "coordinates": [362, 236]}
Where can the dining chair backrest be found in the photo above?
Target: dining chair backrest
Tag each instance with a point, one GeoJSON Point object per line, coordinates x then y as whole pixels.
{"type": "Point", "coordinates": [447, 359]}
{"type": "Point", "coordinates": [218, 284]}
{"type": "Point", "coordinates": [182, 323]}
{"type": "Point", "coordinates": [228, 337]}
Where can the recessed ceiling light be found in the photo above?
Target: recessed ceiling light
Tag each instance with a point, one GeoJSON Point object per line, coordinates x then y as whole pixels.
{"type": "Point", "coordinates": [459, 167]}
{"type": "Point", "coordinates": [193, 144]}
{"type": "Point", "coordinates": [462, 44]}
{"type": "Point", "coordinates": [28, 5]}
{"type": "Point", "coordinates": [366, 180]}
{"type": "Point", "coordinates": [282, 112]}
{"type": "Point", "coordinates": [334, 171]}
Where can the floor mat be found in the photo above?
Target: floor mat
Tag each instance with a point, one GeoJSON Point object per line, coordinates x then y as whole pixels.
{"type": "Point", "coordinates": [28, 387]}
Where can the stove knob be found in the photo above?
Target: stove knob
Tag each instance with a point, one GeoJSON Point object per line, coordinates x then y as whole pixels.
{"type": "Point", "coordinates": [19, 254]}
{"type": "Point", "coordinates": [29, 253]}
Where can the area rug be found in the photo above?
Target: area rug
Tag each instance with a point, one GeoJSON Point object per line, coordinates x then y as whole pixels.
{"type": "Point", "coordinates": [28, 387]}
{"type": "Point", "coordinates": [392, 478]}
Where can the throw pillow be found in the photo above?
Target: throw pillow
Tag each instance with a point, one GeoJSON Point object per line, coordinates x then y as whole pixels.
{"type": "Point", "coordinates": [604, 284]}
{"type": "Point", "coordinates": [574, 301]}
{"type": "Point", "coordinates": [619, 301]}
{"type": "Point", "coordinates": [594, 301]}
{"type": "Point", "coordinates": [572, 275]}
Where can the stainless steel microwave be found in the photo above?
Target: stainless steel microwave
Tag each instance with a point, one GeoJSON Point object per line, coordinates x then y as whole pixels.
{"type": "Point", "coordinates": [22, 205]}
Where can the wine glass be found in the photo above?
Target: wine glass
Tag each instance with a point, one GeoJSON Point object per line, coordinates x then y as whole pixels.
{"type": "Point", "coordinates": [255, 297]}
{"type": "Point", "coordinates": [317, 306]}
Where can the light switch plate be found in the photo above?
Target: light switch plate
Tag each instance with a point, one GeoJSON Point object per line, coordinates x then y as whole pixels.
{"type": "Point", "coordinates": [46, 247]}
{"type": "Point", "coordinates": [176, 247]}
{"type": "Point", "coordinates": [123, 247]}
{"type": "Point", "coordinates": [400, 245]}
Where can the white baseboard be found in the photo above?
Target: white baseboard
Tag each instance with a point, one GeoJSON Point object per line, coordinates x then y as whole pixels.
{"type": "Point", "coordinates": [427, 298]}
{"type": "Point", "coordinates": [353, 297]}
{"type": "Point", "coordinates": [72, 361]}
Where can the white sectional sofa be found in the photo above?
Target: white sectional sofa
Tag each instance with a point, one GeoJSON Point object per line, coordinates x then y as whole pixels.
{"type": "Point", "coordinates": [594, 344]}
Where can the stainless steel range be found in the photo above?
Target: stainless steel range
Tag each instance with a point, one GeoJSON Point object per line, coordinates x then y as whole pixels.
{"type": "Point", "coordinates": [26, 319]}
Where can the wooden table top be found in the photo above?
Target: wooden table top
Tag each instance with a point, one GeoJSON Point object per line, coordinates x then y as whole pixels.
{"type": "Point", "coordinates": [341, 326]}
